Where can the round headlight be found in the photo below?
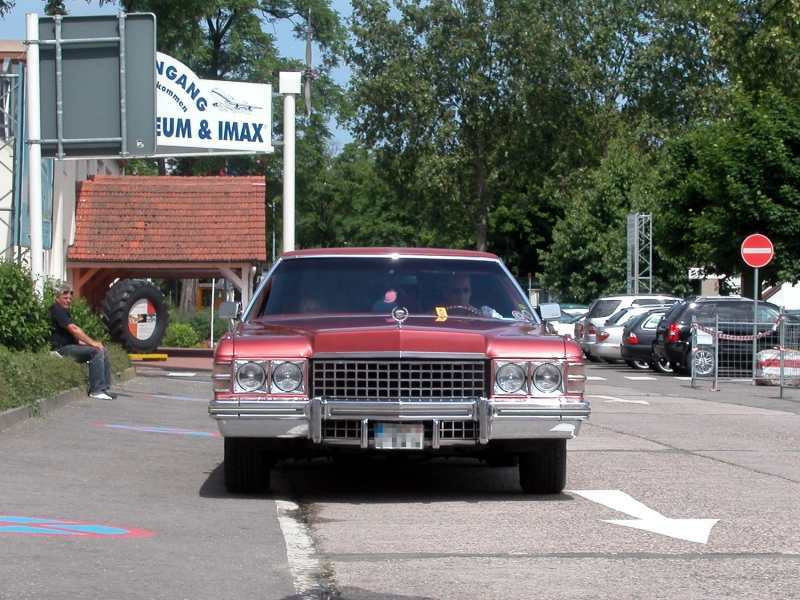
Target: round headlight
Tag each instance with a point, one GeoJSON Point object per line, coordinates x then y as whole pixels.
{"type": "Point", "coordinates": [510, 378]}
{"type": "Point", "coordinates": [547, 378]}
{"type": "Point", "coordinates": [287, 377]}
{"type": "Point", "coordinates": [250, 376]}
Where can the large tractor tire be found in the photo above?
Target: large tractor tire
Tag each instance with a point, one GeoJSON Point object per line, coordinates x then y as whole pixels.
{"type": "Point", "coordinates": [135, 314]}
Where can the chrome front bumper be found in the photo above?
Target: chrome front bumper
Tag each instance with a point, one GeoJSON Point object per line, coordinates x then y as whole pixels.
{"type": "Point", "coordinates": [494, 420]}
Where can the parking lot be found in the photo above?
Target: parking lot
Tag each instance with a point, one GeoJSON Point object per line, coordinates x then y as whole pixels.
{"type": "Point", "coordinates": [672, 492]}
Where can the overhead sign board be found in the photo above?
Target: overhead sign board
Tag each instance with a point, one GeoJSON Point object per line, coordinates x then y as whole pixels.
{"type": "Point", "coordinates": [97, 85]}
{"type": "Point", "coordinates": [207, 116]}
{"type": "Point", "coordinates": [757, 250]}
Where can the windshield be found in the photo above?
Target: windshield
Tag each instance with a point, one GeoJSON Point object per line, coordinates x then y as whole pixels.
{"type": "Point", "coordinates": [603, 308]}
{"type": "Point", "coordinates": [376, 285]}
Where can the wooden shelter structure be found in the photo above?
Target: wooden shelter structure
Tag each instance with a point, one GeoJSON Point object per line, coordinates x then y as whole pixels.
{"type": "Point", "coordinates": [167, 227]}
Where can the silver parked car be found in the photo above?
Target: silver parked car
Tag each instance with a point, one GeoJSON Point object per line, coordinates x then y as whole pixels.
{"type": "Point", "coordinates": [608, 339]}
{"type": "Point", "coordinates": [603, 308]}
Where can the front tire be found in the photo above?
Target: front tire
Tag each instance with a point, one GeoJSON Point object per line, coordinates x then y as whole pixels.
{"type": "Point", "coordinates": [544, 470]}
{"type": "Point", "coordinates": [662, 365]}
{"type": "Point", "coordinates": [246, 466]}
{"type": "Point", "coordinates": [638, 365]}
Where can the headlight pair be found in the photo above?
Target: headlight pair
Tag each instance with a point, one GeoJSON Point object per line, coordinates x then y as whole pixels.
{"type": "Point", "coordinates": [285, 376]}
{"type": "Point", "coordinates": [512, 378]}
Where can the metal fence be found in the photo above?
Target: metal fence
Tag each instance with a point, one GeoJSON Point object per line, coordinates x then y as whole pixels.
{"type": "Point", "coordinates": [766, 353]}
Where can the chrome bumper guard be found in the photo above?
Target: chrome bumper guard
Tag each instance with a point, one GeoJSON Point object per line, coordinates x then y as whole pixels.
{"type": "Point", "coordinates": [495, 420]}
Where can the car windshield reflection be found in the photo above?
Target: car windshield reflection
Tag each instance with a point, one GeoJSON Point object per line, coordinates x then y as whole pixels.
{"type": "Point", "coordinates": [440, 288]}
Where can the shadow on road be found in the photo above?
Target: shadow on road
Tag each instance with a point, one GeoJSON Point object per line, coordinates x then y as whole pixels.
{"type": "Point", "coordinates": [354, 593]}
{"type": "Point", "coordinates": [381, 480]}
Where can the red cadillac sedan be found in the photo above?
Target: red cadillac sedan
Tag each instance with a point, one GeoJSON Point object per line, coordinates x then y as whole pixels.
{"type": "Point", "coordinates": [395, 350]}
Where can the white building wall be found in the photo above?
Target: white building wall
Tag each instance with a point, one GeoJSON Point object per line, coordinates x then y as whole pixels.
{"type": "Point", "coordinates": [6, 200]}
{"type": "Point", "coordinates": [66, 175]}
{"type": "Point", "coordinates": [788, 297]}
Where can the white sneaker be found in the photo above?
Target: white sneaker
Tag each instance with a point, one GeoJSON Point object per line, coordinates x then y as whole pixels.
{"type": "Point", "coordinates": [100, 396]}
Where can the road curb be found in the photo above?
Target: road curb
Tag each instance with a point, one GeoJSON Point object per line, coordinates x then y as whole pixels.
{"type": "Point", "coordinates": [39, 408]}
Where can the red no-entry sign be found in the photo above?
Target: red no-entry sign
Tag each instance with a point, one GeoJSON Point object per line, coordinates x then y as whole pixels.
{"type": "Point", "coordinates": [757, 250]}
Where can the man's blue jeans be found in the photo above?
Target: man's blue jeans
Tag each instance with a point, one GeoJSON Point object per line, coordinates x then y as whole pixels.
{"type": "Point", "coordinates": [99, 365]}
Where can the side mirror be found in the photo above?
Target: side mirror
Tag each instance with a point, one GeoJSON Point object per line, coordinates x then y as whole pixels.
{"type": "Point", "coordinates": [229, 310]}
{"type": "Point", "coordinates": [550, 312]}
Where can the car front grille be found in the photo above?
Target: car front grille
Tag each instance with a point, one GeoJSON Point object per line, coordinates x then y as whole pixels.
{"type": "Point", "coordinates": [406, 380]}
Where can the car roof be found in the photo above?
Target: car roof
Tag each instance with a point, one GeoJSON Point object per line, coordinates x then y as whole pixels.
{"type": "Point", "coordinates": [390, 252]}
{"type": "Point", "coordinates": [624, 296]}
{"type": "Point", "coordinates": [721, 299]}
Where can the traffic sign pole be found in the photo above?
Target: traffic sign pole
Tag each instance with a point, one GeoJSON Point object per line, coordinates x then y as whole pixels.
{"type": "Point", "coordinates": [755, 322]}
{"type": "Point", "coordinates": [757, 251]}
{"type": "Point", "coordinates": [34, 151]}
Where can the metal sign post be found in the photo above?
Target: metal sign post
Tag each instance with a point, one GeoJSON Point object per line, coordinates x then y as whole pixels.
{"type": "Point", "coordinates": [755, 321]}
{"type": "Point", "coordinates": [34, 150]}
{"type": "Point", "coordinates": [757, 251]}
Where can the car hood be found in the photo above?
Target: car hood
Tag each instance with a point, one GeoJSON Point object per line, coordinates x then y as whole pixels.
{"type": "Point", "coordinates": [310, 336]}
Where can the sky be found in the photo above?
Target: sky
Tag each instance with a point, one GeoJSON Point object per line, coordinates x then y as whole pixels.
{"type": "Point", "coordinates": [12, 27]}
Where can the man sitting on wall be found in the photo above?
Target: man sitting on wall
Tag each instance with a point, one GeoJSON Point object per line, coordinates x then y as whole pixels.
{"type": "Point", "coordinates": [71, 341]}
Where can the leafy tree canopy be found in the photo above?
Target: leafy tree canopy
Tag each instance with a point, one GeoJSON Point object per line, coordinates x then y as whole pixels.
{"type": "Point", "coordinates": [735, 176]}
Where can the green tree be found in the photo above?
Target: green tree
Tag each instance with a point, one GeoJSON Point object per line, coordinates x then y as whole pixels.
{"type": "Point", "coordinates": [731, 177]}
{"type": "Point", "coordinates": [757, 42]}
{"type": "Point", "coordinates": [588, 255]}
{"type": "Point", "coordinates": [483, 108]}
{"type": "Point", "coordinates": [349, 204]}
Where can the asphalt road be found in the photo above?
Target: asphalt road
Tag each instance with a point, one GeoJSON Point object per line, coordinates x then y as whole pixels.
{"type": "Point", "coordinates": [134, 506]}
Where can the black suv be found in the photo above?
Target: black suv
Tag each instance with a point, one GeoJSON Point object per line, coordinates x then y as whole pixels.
{"type": "Point", "coordinates": [674, 336]}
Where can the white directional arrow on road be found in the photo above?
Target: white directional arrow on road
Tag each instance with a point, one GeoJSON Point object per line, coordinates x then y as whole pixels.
{"type": "Point", "coordinates": [691, 530]}
{"type": "Point", "coordinates": [615, 399]}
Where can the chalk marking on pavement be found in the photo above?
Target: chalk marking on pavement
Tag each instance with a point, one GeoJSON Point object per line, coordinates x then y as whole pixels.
{"type": "Point", "coordinates": [615, 399]}
{"type": "Point", "coordinates": [189, 398]}
{"type": "Point", "coordinates": [159, 429]}
{"type": "Point", "coordinates": [595, 378]}
{"type": "Point", "coordinates": [640, 378]}
{"type": "Point", "coordinates": [306, 569]}
{"type": "Point", "coordinates": [647, 519]}
{"type": "Point", "coordinates": [180, 374]}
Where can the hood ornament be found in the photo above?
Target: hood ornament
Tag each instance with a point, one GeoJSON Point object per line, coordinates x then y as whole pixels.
{"type": "Point", "coordinates": [399, 314]}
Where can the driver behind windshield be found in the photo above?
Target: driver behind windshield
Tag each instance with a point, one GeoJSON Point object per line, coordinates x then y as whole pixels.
{"type": "Point", "coordinates": [458, 291]}
{"type": "Point", "coordinates": [458, 295]}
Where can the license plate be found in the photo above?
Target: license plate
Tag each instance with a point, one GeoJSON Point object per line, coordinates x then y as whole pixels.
{"type": "Point", "coordinates": [399, 436]}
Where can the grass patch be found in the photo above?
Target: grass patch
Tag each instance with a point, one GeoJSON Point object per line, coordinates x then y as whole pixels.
{"type": "Point", "coordinates": [29, 376]}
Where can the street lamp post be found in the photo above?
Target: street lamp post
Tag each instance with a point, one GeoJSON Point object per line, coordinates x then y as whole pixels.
{"type": "Point", "coordinates": [289, 85]}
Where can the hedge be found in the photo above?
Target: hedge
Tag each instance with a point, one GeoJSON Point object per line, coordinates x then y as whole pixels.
{"type": "Point", "coordinates": [27, 376]}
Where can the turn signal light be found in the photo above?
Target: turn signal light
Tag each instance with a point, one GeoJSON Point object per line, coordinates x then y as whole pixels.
{"type": "Point", "coordinates": [632, 339]}
{"type": "Point", "coordinates": [576, 379]}
{"type": "Point", "coordinates": [602, 336]}
{"type": "Point", "coordinates": [221, 377]}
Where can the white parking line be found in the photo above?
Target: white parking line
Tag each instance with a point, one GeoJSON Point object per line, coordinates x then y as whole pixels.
{"type": "Point", "coordinates": [640, 378]}
{"type": "Point", "coordinates": [306, 568]}
{"type": "Point", "coordinates": [683, 378]}
{"type": "Point", "coordinates": [595, 378]}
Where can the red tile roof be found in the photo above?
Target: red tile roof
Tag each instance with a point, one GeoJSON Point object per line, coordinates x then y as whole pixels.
{"type": "Point", "coordinates": [184, 219]}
